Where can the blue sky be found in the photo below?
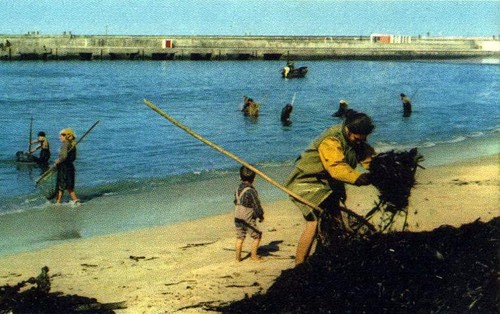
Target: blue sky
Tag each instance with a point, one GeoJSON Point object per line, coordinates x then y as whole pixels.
{"type": "Point", "coordinates": [251, 17]}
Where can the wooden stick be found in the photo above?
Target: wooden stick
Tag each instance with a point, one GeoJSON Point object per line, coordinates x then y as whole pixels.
{"type": "Point", "coordinates": [31, 136]}
{"type": "Point", "coordinates": [249, 166]}
{"type": "Point", "coordinates": [414, 93]}
{"type": "Point", "coordinates": [52, 168]}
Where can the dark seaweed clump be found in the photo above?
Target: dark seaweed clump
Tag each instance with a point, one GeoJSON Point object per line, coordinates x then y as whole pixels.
{"type": "Point", "coordinates": [393, 174]}
{"type": "Point", "coordinates": [34, 296]}
{"type": "Point", "coordinates": [448, 270]}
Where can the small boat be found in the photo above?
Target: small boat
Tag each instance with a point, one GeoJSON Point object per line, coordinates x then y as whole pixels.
{"type": "Point", "coordinates": [25, 158]}
{"type": "Point", "coordinates": [294, 73]}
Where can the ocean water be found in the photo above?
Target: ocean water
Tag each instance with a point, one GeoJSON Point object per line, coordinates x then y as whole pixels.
{"type": "Point", "coordinates": [136, 169]}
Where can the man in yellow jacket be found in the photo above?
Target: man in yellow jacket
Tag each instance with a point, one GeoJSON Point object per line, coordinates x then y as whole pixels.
{"type": "Point", "coordinates": [324, 167]}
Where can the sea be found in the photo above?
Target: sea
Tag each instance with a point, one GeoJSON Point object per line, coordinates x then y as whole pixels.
{"type": "Point", "coordinates": [136, 169]}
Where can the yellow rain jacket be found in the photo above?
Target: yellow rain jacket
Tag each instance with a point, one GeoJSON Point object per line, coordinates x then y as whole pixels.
{"type": "Point", "coordinates": [253, 109]}
{"type": "Point", "coordinates": [328, 162]}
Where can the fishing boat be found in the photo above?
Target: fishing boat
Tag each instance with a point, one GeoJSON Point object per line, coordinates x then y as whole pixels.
{"type": "Point", "coordinates": [294, 73]}
{"type": "Point", "coordinates": [25, 158]}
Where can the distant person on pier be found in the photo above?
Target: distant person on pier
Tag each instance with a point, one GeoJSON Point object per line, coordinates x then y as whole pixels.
{"type": "Point", "coordinates": [285, 114]}
{"type": "Point", "coordinates": [343, 108]}
{"type": "Point", "coordinates": [406, 105]}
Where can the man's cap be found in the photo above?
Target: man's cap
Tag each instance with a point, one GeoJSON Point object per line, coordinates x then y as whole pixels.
{"type": "Point", "coordinates": [359, 123]}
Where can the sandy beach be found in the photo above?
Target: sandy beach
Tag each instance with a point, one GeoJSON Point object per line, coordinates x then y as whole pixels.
{"type": "Point", "coordinates": [181, 267]}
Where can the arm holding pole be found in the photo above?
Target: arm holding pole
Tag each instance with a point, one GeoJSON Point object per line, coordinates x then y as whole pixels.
{"type": "Point", "coordinates": [53, 167]}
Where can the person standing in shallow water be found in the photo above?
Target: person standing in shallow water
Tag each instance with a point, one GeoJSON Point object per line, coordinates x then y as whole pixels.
{"type": "Point", "coordinates": [44, 148]}
{"type": "Point", "coordinates": [285, 115]}
{"type": "Point", "coordinates": [342, 111]}
{"type": "Point", "coordinates": [322, 170]}
{"type": "Point", "coordinates": [406, 105]}
{"type": "Point", "coordinates": [250, 107]}
{"type": "Point", "coordinates": [248, 210]}
{"type": "Point", "coordinates": [65, 167]}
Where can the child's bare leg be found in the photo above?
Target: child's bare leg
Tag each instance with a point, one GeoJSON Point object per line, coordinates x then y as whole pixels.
{"type": "Point", "coordinates": [305, 242]}
{"type": "Point", "coordinates": [255, 246]}
{"type": "Point", "coordinates": [239, 246]}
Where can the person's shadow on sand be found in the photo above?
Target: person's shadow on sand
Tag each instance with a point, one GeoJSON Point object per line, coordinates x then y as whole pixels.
{"type": "Point", "coordinates": [266, 250]}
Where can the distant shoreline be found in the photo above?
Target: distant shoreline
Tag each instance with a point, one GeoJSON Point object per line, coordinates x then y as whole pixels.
{"type": "Point", "coordinates": [68, 46]}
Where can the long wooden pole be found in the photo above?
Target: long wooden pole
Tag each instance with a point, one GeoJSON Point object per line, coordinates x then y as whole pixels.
{"type": "Point", "coordinates": [249, 166]}
{"type": "Point", "coordinates": [414, 93]}
{"type": "Point", "coordinates": [293, 98]}
{"type": "Point", "coordinates": [31, 136]}
{"type": "Point", "coordinates": [52, 168]}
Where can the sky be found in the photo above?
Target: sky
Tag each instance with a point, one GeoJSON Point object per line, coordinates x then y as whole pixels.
{"type": "Point", "coordinates": [251, 17]}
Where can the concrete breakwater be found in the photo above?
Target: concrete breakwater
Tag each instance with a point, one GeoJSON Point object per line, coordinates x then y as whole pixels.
{"type": "Point", "coordinates": [100, 47]}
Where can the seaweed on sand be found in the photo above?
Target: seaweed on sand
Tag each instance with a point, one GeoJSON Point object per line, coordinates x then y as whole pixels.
{"type": "Point", "coordinates": [393, 174]}
{"type": "Point", "coordinates": [34, 296]}
{"type": "Point", "coordinates": [447, 270]}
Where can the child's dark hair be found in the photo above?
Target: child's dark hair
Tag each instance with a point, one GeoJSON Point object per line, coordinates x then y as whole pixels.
{"type": "Point", "coordinates": [246, 174]}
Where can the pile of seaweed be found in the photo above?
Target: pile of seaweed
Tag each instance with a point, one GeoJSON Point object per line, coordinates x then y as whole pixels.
{"type": "Point", "coordinates": [393, 174]}
{"type": "Point", "coordinates": [34, 296]}
{"type": "Point", "coordinates": [448, 270]}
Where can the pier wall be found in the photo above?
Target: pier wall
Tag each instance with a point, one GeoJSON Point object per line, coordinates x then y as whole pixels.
{"type": "Point", "coordinates": [88, 47]}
